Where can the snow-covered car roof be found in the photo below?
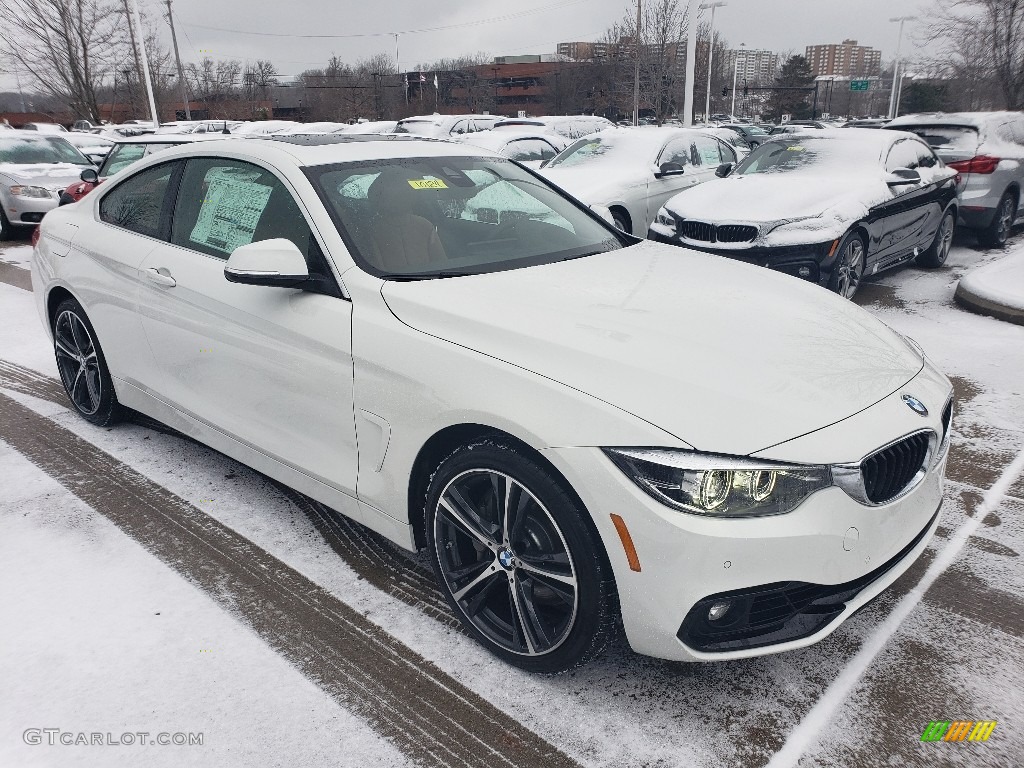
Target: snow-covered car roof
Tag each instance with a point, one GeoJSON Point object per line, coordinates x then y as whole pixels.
{"type": "Point", "coordinates": [372, 126]}
{"type": "Point", "coordinates": [495, 140]}
{"type": "Point", "coordinates": [623, 144]}
{"type": "Point", "coordinates": [976, 120]}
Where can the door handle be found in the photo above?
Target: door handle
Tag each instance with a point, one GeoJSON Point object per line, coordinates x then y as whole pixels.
{"type": "Point", "coordinates": [161, 276]}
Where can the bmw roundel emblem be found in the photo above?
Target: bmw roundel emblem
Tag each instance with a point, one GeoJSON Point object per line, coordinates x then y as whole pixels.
{"type": "Point", "coordinates": [915, 405]}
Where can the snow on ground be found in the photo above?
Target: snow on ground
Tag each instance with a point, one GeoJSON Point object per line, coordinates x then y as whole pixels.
{"type": "Point", "coordinates": [100, 637]}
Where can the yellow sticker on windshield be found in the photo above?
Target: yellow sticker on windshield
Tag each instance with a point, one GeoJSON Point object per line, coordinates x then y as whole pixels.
{"type": "Point", "coordinates": [795, 148]}
{"type": "Point", "coordinates": [427, 184]}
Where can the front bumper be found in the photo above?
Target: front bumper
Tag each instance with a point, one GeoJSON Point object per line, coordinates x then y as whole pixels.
{"type": "Point", "coordinates": [813, 262]}
{"type": "Point", "coordinates": [28, 211]}
{"type": "Point", "coordinates": [842, 552]}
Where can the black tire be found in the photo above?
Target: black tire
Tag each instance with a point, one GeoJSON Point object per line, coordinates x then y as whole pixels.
{"type": "Point", "coordinates": [5, 227]}
{"type": "Point", "coordinates": [996, 233]}
{"type": "Point", "coordinates": [848, 270]}
{"type": "Point", "coordinates": [82, 367]}
{"type": "Point", "coordinates": [937, 252]}
{"type": "Point", "coordinates": [513, 593]}
{"type": "Point", "coordinates": [621, 219]}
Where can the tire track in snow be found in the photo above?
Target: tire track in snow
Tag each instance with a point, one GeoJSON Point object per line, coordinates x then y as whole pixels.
{"type": "Point", "coordinates": [431, 717]}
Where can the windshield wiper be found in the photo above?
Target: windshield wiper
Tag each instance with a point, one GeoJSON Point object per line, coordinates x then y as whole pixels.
{"type": "Point", "coordinates": [429, 275]}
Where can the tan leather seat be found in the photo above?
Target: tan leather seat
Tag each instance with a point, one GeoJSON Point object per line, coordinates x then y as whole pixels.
{"type": "Point", "coordinates": [402, 240]}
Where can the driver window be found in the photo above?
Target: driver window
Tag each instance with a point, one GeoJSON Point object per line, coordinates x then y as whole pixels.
{"type": "Point", "coordinates": [707, 151]}
{"type": "Point", "coordinates": [223, 204]}
{"type": "Point", "coordinates": [902, 155]}
{"type": "Point", "coordinates": [679, 151]}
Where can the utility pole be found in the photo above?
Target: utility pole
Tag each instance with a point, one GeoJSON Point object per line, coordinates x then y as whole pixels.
{"type": "Point", "coordinates": [711, 53]}
{"type": "Point", "coordinates": [135, 48]}
{"type": "Point", "coordinates": [735, 73]}
{"type": "Point", "coordinates": [896, 64]}
{"type": "Point", "coordinates": [636, 68]}
{"type": "Point", "coordinates": [691, 62]}
{"type": "Point", "coordinates": [141, 54]}
{"type": "Point", "coordinates": [177, 58]}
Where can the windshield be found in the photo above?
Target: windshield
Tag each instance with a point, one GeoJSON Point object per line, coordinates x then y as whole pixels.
{"type": "Point", "coordinates": [946, 136]}
{"type": "Point", "coordinates": [418, 127]}
{"type": "Point", "coordinates": [31, 151]}
{"type": "Point", "coordinates": [124, 155]}
{"type": "Point", "coordinates": [754, 130]}
{"type": "Point", "coordinates": [447, 216]}
{"type": "Point", "coordinates": [809, 154]}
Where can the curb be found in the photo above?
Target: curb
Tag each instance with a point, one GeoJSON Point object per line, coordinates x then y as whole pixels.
{"type": "Point", "coordinates": [966, 298]}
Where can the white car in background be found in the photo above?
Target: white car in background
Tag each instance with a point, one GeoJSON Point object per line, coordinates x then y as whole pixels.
{"type": "Point", "coordinates": [445, 126]}
{"type": "Point", "coordinates": [371, 126]}
{"type": "Point", "coordinates": [529, 148]}
{"type": "Point", "coordinates": [569, 127]}
{"type": "Point", "coordinates": [91, 145]}
{"type": "Point", "coordinates": [634, 171]}
{"type": "Point", "coordinates": [263, 127]}
{"type": "Point", "coordinates": [574, 425]}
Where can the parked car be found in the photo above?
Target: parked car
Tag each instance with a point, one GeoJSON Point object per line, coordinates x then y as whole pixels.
{"type": "Point", "coordinates": [987, 148]}
{"type": "Point", "coordinates": [564, 418]}
{"type": "Point", "coordinates": [124, 153]}
{"type": "Point", "coordinates": [372, 126]}
{"type": "Point", "coordinates": [316, 127]}
{"type": "Point", "coordinates": [45, 127]}
{"type": "Point", "coordinates": [633, 171]}
{"type": "Point", "coordinates": [445, 126]}
{"type": "Point", "coordinates": [263, 127]}
{"type": "Point", "coordinates": [569, 127]}
{"type": "Point", "coordinates": [873, 122]}
{"type": "Point", "coordinates": [89, 144]}
{"type": "Point", "coordinates": [831, 207]}
{"type": "Point", "coordinates": [752, 134]}
{"type": "Point", "coordinates": [84, 126]}
{"type": "Point", "coordinates": [34, 168]}
{"type": "Point", "coordinates": [529, 148]}
{"type": "Point", "coordinates": [733, 139]}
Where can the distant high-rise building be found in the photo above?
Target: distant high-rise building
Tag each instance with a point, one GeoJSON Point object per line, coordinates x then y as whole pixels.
{"type": "Point", "coordinates": [845, 60]}
{"type": "Point", "coordinates": [757, 66]}
{"type": "Point", "coordinates": [584, 51]}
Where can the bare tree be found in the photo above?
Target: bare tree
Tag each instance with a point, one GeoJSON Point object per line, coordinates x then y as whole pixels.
{"type": "Point", "coordinates": [257, 78]}
{"type": "Point", "coordinates": [214, 80]}
{"type": "Point", "coordinates": [984, 41]}
{"type": "Point", "coordinates": [67, 46]}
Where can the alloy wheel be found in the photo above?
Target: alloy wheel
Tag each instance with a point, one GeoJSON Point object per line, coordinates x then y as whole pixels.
{"type": "Point", "coordinates": [506, 562]}
{"type": "Point", "coordinates": [1005, 220]}
{"type": "Point", "coordinates": [78, 362]}
{"type": "Point", "coordinates": [851, 269]}
{"type": "Point", "coordinates": [945, 238]}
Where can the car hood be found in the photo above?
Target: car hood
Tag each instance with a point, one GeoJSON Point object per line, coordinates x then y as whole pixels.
{"type": "Point", "coordinates": [600, 183]}
{"type": "Point", "coordinates": [726, 357]}
{"type": "Point", "coordinates": [49, 175]}
{"type": "Point", "coordinates": [769, 197]}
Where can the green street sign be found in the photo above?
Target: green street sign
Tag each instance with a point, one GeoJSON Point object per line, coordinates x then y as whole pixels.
{"type": "Point", "coordinates": [859, 85]}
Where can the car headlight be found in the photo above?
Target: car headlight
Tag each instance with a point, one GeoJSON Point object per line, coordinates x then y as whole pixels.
{"type": "Point", "coordinates": [24, 191]}
{"type": "Point", "coordinates": [719, 486]}
{"type": "Point", "coordinates": [665, 219]}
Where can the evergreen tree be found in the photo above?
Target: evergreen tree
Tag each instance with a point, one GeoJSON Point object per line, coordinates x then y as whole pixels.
{"type": "Point", "coordinates": [795, 73]}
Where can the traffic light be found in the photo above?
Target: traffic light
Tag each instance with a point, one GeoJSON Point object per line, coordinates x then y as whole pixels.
{"type": "Point", "coordinates": [725, 90]}
{"type": "Point", "coordinates": [745, 91]}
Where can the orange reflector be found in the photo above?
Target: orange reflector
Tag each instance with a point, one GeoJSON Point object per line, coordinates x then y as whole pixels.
{"type": "Point", "coordinates": [832, 250]}
{"type": "Point", "coordinates": [627, 543]}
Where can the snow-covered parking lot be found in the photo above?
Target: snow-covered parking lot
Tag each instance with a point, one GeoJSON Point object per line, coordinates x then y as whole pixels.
{"type": "Point", "coordinates": [154, 590]}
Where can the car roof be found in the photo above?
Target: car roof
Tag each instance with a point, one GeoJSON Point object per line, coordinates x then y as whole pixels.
{"type": "Point", "coordinates": [881, 139]}
{"type": "Point", "coordinates": [966, 119]}
{"type": "Point", "coordinates": [491, 139]}
{"type": "Point", "coordinates": [173, 138]}
{"type": "Point", "coordinates": [331, 148]}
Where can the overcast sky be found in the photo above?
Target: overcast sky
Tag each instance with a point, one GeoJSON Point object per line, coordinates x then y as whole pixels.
{"type": "Point", "coordinates": [513, 27]}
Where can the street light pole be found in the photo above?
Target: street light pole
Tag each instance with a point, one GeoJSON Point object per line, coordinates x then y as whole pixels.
{"type": "Point", "coordinates": [691, 62]}
{"type": "Point", "coordinates": [145, 64]}
{"type": "Point", "coordinates": [636, 66]}
{"type": "Point", "coordinates": [711, 53]}
{"type": "Point", "coordinates": [735, 73]}
{"type": "Point", "coordinates": [896, 63]}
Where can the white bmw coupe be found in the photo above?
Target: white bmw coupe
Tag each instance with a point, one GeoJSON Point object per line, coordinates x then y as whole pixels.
{"type": "Point", "coordinates": [580, 427]}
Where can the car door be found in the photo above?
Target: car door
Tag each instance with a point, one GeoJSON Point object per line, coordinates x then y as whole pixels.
{"type": "Point", "coordinates": [902, 223]}
{"type": "Point", "coordinates": [270, 367]}
{"type": "Point", "coordinates": [681, 151]}
{"type": "Point", "coordinates": [132, 220]}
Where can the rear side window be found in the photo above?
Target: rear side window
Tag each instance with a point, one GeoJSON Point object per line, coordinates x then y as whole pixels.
{"type": "Point", "coordinates": [223, 204]}
{"type": "Point", "coordinates": [139, 203]}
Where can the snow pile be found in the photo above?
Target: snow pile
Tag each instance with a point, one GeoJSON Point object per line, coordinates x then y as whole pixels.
{"type": "Point", "coordinates": [996, 288]}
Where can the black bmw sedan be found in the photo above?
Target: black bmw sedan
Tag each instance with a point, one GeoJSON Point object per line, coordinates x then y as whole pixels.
{"type": "Point", "coordinates": [829, 206]}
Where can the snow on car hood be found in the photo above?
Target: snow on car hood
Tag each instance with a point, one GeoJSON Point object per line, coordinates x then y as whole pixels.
{"type": "Point", "coordinates": [724, 356]}
{"type": "Point", "coordinates": [43, 174]}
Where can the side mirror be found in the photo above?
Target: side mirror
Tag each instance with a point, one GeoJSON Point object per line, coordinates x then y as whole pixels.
{"type": "Point", "coordinates": [723, 170]}
{"type": "Point", "coordinates": [276, 263]}
{"type": "Point", "coordinates": [902, 176]}
{"type": "Point", "coordinates": [89, 176]}
{"type": "Point", "coordinates": [669, 169]}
